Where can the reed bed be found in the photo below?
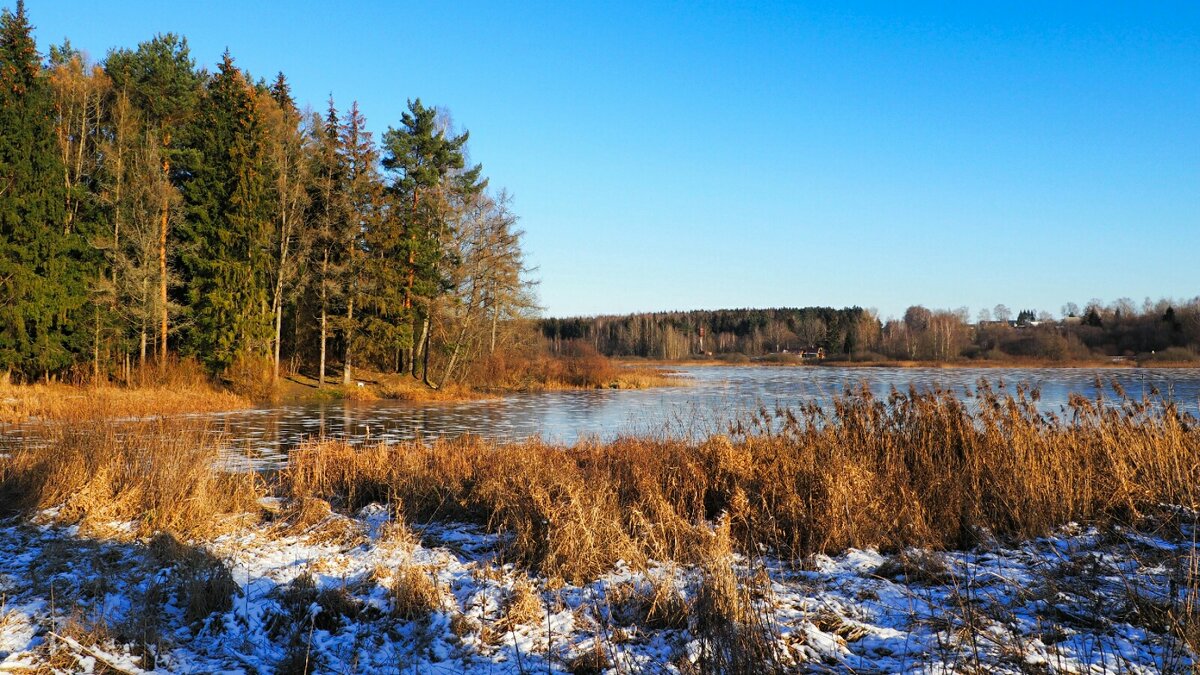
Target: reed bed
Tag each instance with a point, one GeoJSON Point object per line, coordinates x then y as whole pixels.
{"type": "Point", "coordinates": [907, 474]}
{"type": "Point", "coordinates": [914, 469]}
{"type": "Point", "coordinates": [70, 403]}
{"type": "Point", "coordinates": [152, 476]}
{"type": "Point", "coordinates": [910, 470]}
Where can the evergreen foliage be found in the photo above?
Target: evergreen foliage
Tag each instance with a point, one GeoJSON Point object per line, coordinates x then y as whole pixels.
{"type": "Point", "coordinates": [41, 282]}
{"type": "Point", "coordinates": [228, 225]}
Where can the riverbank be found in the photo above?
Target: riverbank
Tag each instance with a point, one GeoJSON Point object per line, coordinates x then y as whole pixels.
{"type": "Point", "coordinates": [67, 402]}
{"type": "Point", "coordinates": [895, 534]}
{"type": "Point", "coordinates": [369, 386]}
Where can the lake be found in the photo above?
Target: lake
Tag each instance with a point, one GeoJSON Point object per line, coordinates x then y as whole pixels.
{"type": "Point", "coordinates": [713, 396]}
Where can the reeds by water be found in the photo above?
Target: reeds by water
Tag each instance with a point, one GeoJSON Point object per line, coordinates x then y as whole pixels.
{"type": "Point", "coordinates": [915, 469]}
{"type": "Point", "coordinates": [911, 470]}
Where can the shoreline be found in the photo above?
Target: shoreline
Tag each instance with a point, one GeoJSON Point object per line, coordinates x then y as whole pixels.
{"type": "Point", "coordinates": [21, 403]}
{"type": "Point", "coordinates": [914, 365]}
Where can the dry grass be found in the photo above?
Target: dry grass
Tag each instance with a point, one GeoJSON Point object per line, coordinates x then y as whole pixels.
{"type": "Point", "coordinates": [161, 477]}
{"type": "Point", "coordinates": [19, 403]}
{"type": "Point", "coordinates": [914, 470]}
{"type": "Point", "coordinates": [736, 636]}
{"type": "Point", "coordinates": [414, 592]}
{"type": "Point", "coordinates": [521, 606]}
{"type": "Point", "coordinates": [655, 604]}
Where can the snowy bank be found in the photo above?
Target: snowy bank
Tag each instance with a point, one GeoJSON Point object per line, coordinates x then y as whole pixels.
{"type": "Point", "coordinates": [368, 594]}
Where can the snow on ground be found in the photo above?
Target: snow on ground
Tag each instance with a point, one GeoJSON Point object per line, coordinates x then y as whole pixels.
{"type": "Point", "coordinates": [360, 595]}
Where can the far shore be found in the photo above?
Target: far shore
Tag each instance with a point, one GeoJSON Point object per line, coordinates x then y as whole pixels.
{"type": "Point", "coordinates": [1091, 364]}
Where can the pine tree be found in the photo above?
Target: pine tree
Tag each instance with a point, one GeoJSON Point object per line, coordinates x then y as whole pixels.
{"type": "Point", "coordinates": [429, 179]}
{"type": "Point", "coordinates": [40, 281]}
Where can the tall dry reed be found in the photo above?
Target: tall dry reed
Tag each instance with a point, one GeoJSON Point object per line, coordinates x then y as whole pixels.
{"type": "Point", "coordinates": [910, 470]}
{"type": "Point", "coordinates": [70, 403]}
{"type": "Point", "coordinates": [162, 476]}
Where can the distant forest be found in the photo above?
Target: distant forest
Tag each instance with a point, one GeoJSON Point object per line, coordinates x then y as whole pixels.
{"type": "Point", "coordinates": [1164, 330]}
{"type": "Point", "coordinates": [151, 209]}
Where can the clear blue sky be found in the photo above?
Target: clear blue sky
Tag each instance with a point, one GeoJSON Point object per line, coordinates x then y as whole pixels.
{"type": "Point", "coordinates": [701, 155]}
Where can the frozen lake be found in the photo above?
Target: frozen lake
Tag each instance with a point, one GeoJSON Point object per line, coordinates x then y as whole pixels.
{"type": "Point", "coordinates": [714, 395]}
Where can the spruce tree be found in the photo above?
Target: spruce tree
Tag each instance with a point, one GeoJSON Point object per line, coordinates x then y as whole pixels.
{"type": "Point", "coordinates": [329, 211]}
{"type": "Point", "coordinates": [40, 281]}
{"type": "Point", "coordinates": [228, 225]}
{"type": "Point", "coordinates": [364, 191]}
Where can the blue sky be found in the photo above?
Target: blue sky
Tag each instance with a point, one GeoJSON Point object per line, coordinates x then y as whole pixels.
{"type": "Point", "coordinates": [705, 155]}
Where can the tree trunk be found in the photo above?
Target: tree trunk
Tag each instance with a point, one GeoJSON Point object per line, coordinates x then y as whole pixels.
{"type": "Point", "coordinates": [278, 336]}
{"type": "Point", "coordinates": [495, 320]}
{"type": "Point", "coordinates": [281, 272]}
{"type": "Point", "coordinates": [419, 346]}
{"type": "Point", "coordinates": [346, 374]}
{"type": "Point", "coordinates": [425, 359]}
{"type": "Point", "coordinates": [162, 264]}
{"type": "Point", "coordinates": [96, 350]}
{"type": "Point", "coordinates": [321, 374]}
{"type": "Point", "coordinates": [324, 318]}
{"type": "Point", "coordinates": [412, 260]}
{"type": "Point", "coordinates": [462, 335]}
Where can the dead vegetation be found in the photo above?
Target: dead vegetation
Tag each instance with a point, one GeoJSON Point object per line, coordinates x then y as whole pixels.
{"type": "Point", "coordinates": [176, 388]}
{"type": "Point", "coordinates": [157, 476]}
{"type": "Point", "coordinates": [414, 592]}
{"type": "Point", "coordinates": [909, 475]}
{"type": "Point", "coordinates": [912, 470]}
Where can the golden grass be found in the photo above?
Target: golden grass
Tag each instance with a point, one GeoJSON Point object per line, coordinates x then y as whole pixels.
{"type": "Point", "coordinates": [19, 403]}
{"type": "Point", "coordinates": [922, 470]}
{"type": "Point", "coordinates": [414, 592]}
{"type": "Point", "coordinates": [163, 477]}
{"type": "Point", "coordinates": [912, 470]}
{"type": "Point", "coordinates": [521, 606]}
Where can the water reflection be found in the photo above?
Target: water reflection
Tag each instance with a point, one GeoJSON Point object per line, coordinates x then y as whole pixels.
{"type": "Point", "coordinates": [715, 395]}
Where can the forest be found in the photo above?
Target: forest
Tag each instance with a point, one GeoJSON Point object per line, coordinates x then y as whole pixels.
{"type": "Point", "coordinates": [1163, 330]}
{"type": "Point", "coordinates": [152, 210]}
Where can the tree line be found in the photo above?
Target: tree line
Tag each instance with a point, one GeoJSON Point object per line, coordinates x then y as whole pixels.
{"type": "Point", "coordinates": [150, 208]}
{"type": "Point", "coordinates": [1164, 330]}
{"type": "Point", "coordinates": [751, 332]}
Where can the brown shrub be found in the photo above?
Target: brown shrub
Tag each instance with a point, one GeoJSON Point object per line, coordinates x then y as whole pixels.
{"type": "Point", "coordinates": [252, 377]}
